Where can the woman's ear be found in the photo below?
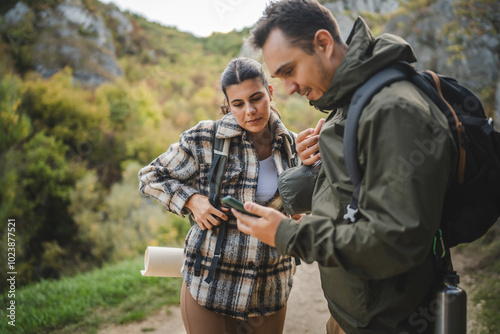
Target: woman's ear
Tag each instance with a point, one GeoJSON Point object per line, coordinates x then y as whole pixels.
{"type": "Point", "coordinates": [271, 92]}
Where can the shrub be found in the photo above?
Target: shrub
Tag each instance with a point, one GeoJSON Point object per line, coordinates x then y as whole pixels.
{"type": "Point", "coordinates": [122, 223]}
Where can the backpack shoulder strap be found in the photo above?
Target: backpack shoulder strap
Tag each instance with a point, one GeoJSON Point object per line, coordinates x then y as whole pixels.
{"type": "Point", "coordinates": [360, 99]}
{"type": "Point", "coordinates": [220, 152]}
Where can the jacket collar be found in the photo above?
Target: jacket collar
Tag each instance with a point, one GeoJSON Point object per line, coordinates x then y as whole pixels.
{"type": "Point", "coordinates": [365, 56]}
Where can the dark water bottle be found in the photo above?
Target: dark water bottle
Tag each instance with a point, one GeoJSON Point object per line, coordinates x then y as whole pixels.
{"type": "Point", "coordinates": [451, 307]}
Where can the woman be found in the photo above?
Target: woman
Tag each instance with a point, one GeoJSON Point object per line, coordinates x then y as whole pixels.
{"type": "Point", "coordinates": [252, 282]}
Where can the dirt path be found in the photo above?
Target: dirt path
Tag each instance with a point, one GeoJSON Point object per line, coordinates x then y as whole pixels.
{"type": "Point", "coordinates": [307, 309]}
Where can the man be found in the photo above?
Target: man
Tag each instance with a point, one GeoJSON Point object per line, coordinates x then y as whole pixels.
{"type": "Point", "coordinates": [377, 273]}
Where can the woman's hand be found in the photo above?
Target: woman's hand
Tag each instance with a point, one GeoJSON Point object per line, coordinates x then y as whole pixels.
{"type": "Point", "coordinates": [307, 144]}
{"type": "Point", "coordinates": [205, 214]}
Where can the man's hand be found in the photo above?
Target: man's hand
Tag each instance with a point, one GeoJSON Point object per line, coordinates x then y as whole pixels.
{"type": "Point", "coordinates": [307, 145]}
{"type": "Point", "coordinates": [204, 213]}
{"type": "Point", "coordinates": [263, 228]}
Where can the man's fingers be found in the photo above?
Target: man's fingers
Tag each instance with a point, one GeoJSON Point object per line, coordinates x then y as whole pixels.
{"type": "Point", "coordinates": [304, 134]}
{"type": "Point", "coordinates": [307, 142]}
{"type": "Point", "coordinates": [257, 209]}
{"type": "Point", "coordinates": [311, 149]}
{"type": "Point", "coordinates": [245, 218]}
{"type": "Point", "coordinates": [313, 140]}
{"type": "Point", "coordinates": [318, 127]}
{"type": "Point", "coordinates": [243, 227]}
{"type": "Point", "coordinates": [310, 155]}
{"type": "Point", "coordinates": [244, 222]}
{"type": "Point", "coordinates": [311, 159]}
{"type": "Point", "coordinates": [263, 228]}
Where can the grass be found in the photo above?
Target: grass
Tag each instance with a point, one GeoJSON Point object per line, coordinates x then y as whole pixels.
{"type": "Point", "coordinates": [486, 276]}
{"type": "Point", "coordinates": [116, 293]}
{"type": "Point", "coordinates": [488, 296]}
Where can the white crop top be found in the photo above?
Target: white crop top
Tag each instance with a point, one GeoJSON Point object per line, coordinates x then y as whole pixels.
{"type": "Point", "coordinates": [268, 180]}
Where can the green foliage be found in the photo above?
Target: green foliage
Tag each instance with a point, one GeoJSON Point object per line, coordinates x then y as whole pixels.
{"type": "Point", "coordinates": [14, 126]}
{"type": "Point", "coordinates": [46, 171]}
{"type": "Point", "coordinates": [120, 224]}
{"type": "Point", "coordinates": [62, 109]}
{"type": "Point", "coordinates": [228, 44]}
{"type": "Point", "coordinates": [484, 269]}
{"type": "Point", "coordinates": [21, 37]}
{"type": "Point", "coordinates": [134, 116]}
{"type": "Point", "coordinates": [375, 21]}
{"type": "Point", "coordinates": [5, 6]}
{"type": "Point", "coordinates": [483, 18]}
{"type": "Point", "coordinates": [56, 129]}
{"type": "Point", "coordinates": [36, 183]}
{"type": "Point", "coordinates": [7, 62]}
{"type": "Point", "coordinates": [297, 114]}
{"type": "Point", "coordinates": [116, 293]}
{"type": "Point", "coordinates": [479, 12]}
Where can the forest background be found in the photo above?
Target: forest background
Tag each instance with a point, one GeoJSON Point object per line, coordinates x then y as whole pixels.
{"type": "Point", "coordinates": [89, 94]}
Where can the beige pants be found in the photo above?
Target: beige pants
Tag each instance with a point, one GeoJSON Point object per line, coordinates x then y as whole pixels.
{"type": "Point", "coordinates": [199, 320]}
{"type": "Point", "coordinates": [332, 327]}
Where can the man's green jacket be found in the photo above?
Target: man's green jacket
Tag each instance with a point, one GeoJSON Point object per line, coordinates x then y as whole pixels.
{"type": "Point", "coordinates": [377, 273]}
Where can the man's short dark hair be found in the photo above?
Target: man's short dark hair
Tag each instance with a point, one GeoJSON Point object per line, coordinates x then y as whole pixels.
{"type": "Point", "coordinates": [299, 20]}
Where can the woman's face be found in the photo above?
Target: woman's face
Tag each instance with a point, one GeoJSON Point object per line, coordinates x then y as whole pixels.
{"type": "Point", "coordinates": [250, 103]}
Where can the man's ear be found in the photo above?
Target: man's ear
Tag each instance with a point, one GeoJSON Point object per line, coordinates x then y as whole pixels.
{"type": "Point", "coordinates": [323, 42]}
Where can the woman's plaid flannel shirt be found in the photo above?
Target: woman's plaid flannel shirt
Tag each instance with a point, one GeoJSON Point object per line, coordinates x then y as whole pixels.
{"type": "Point", "coordinates": [251, 278]}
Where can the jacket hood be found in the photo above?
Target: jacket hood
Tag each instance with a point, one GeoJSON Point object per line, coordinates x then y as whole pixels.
{"type": "Point", "coordinates": [365, 56]}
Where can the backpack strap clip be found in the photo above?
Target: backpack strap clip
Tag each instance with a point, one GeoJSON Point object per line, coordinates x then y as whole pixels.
{"type": "Point", "coordinates": [443, 253]}
{"type": "Point", "coordinates": [351, 213]}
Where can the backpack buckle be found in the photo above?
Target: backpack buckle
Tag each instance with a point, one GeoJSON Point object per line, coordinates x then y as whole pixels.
{"type": "Point", "coordinates": [351, 213]}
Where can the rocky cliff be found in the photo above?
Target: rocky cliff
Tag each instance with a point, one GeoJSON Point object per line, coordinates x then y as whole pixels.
{"type": "Point", "coordinates": [66, 33]}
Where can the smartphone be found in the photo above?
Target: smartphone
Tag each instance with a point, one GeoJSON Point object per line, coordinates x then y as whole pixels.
{"type": "Point", "coordinates": [235, 204]}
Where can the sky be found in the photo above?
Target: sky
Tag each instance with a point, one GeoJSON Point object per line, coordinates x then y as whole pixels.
{"type": "Point", "coordinates": [199, 17]}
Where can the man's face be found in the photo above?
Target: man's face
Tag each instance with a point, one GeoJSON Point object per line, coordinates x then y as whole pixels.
{"type": "Point", "coordinates": [301, 73]}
